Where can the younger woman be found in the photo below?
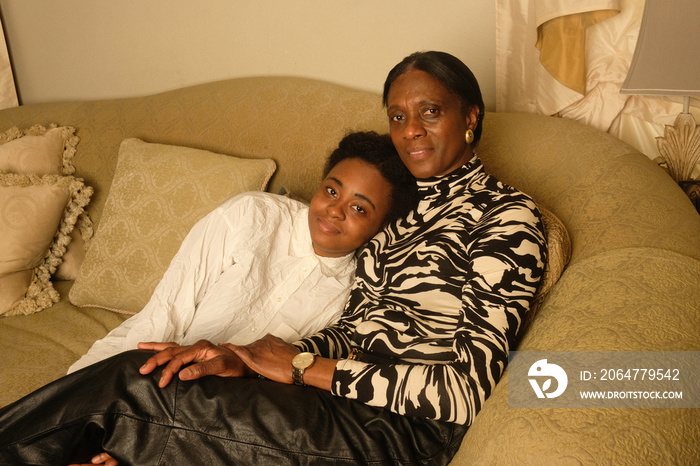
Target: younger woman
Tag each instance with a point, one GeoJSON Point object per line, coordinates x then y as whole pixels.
{"type": "Point", "coordinates": [263, 263]}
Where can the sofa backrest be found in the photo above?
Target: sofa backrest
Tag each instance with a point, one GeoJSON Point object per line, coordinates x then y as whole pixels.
{"type": "Point", "coordinates": [608, 195]}
{"type": "Point", "coordinates": [295, 121]}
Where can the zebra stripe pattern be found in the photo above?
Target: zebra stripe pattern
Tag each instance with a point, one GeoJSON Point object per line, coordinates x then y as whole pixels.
{"type": "Point", "coordinates": [439, 296]}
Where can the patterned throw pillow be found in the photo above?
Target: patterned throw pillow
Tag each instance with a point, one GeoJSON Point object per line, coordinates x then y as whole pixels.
{"type": "Point", "coordinates": [157, 195]}
{"type": "Point", "coordinates": [37, 215]}
{"type": "Point", "coordinates": [38, 150]}
{"type": "Point", "coordinates": [48, 151]}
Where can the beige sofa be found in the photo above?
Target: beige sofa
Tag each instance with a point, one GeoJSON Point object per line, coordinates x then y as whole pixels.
{"type": "Point", "coordinates": [631, 285]}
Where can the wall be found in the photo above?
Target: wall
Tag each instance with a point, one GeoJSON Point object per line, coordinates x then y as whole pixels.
{"type": "Point", "coordinates": [90, 49]}
{"type": "Point", "coordinates": [94, 49]}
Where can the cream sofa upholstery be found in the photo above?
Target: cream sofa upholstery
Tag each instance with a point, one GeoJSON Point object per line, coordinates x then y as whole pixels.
{"type": "Point", "coordinates": [631, 285]}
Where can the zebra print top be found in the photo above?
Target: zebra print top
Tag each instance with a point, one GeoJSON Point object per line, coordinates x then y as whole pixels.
{"type": "Point", "coordinates": [440, 295]}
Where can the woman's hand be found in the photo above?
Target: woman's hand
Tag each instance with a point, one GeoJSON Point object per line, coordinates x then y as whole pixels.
{"type": "Point", "coordinates": [272, 357]}
{"type": "Point", "coordinates": [269, 356]}
{"type": "Point", "coordinates": [208, 359]}
{"type": "Point", "coordinates": [102, 458]}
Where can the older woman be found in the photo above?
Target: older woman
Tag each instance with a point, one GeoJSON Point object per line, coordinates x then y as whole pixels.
{"type": "Point", "coordinates": [435, 307]}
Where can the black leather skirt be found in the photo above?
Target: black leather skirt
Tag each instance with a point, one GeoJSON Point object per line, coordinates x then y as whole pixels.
{"type": "Point", "coordinates": [111, 407]}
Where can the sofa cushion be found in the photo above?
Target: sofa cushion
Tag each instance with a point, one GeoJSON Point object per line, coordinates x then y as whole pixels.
{"type": "Point", "coordinates": [37, 215]}
{"type": "Point", "coordinates": [631, 299]}
{"type": "Point", "coordinates": [158, 193]}
{"type": "Point", "coordinates": [48, 151]}
{"type": "Point", "coordinates": [39, 348]}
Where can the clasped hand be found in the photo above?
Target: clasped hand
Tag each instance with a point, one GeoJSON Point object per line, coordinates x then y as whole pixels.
{"type": "Point", "coordinates": [270, 357]}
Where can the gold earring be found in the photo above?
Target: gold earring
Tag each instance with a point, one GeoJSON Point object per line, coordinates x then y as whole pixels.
{"type": "Point", "coordinates": [469, 136]}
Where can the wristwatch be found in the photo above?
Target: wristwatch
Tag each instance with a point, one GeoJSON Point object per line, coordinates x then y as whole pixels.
{"type": "Point", "coordinates": [300, 363]}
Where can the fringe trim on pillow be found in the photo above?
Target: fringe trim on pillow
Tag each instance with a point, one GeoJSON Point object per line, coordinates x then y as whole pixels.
{"type": "Point", "coordinates": [10, 135]}
{"type": "Point", "coordinates": [86, 229]}
{"type": "Point", "coordinates": [80, 198]}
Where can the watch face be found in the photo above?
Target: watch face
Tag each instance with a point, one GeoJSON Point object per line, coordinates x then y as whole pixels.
{"type": "Point", "coordinates": [303, 360]}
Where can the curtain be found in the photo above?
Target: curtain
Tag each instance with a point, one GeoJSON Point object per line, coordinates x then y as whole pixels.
{"type": "Point", "coordinates": [540, 52]}
{"type": "Point", "coordinates": [8, 92]}
{"type": "Point", "coordinates": [566, 58]}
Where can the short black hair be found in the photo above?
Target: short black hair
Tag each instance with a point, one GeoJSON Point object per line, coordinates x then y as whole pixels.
{"type": "Point", "coordinates": [378, 151]}
{"type": "Point", "coordinates": [451, 72]}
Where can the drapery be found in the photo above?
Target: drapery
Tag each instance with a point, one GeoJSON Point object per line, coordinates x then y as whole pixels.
{"type": "Point", "coordinates": [8, 92]}
{"type": "Point", "coordinates": [537, 40]}
{"type": "Point", "coordinates": [566, 58]}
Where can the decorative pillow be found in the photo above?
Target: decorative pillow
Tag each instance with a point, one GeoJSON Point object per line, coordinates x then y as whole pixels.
{"type": "Point", "coordinates": [37, 215]}
{"type": "Point", "coordinates": [158, 193]}
{"type": "Point", "coordinates": [558, 256]}
{"type": "Point", "coordinates": [38, 150]}
{"type": "Point", "coordinates": [48, 151]}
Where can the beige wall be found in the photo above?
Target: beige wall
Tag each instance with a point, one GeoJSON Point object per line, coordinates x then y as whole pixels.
{"type": "Point", "coordinates": [90, 49]}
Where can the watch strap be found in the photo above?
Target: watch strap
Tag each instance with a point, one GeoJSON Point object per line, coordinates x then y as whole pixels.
{"type": "Point", "coordinates": [298, 376]}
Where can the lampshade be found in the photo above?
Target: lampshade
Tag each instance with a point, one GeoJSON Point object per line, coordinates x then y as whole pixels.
{"type": "Point", "coordinates": [666, 60]}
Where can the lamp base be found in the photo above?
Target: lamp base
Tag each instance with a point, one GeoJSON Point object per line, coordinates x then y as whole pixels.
{"type": "Point", "coordinates": [680, 147]}
{"type": "Point", "coordinates": [680, 154]}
